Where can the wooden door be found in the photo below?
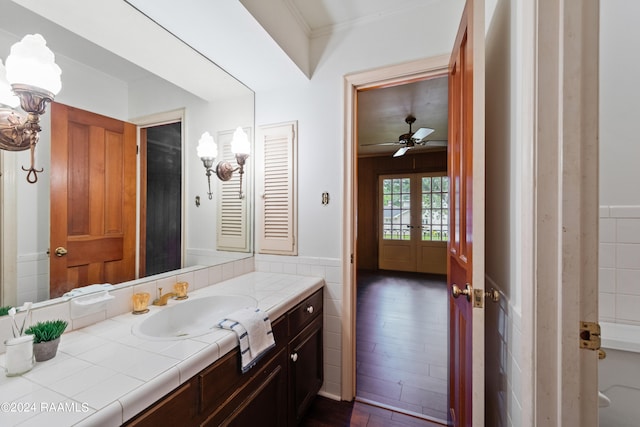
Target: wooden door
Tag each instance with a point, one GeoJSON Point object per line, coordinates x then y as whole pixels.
{"type": "Point", "coordinates": [413, 222]}
{"type": "Point", "coordinates": [93, 199]}
{"type": "Point", "coordinates": [465, 256]}
{"type": "Point", "coordinates": [396, 239]}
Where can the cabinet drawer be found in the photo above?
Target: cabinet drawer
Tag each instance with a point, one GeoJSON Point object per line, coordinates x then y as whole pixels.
{"type": "Point", "coordinates": [219, 381]}
{"type": "Point", "coordinates": [305, 312]}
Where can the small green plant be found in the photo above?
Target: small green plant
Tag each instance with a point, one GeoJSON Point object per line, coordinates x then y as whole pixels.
{"type": "Point", "coordinates": [5, 310]}
{"type": "Point", "coordinates": [47, 331]}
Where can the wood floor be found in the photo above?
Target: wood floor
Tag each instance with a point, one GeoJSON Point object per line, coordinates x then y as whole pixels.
{"type": "Point", "coordinates": [330, 413]}
{"type": "Point", "coordinates": [401, 347]}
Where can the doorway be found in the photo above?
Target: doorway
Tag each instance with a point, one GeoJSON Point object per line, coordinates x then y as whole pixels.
{"type": "Point", "coordinates": [401, 311]}
{"type": "Point", "coordinates": [160, 198]}
{"type": "Point", "coordinates": [413, 212]}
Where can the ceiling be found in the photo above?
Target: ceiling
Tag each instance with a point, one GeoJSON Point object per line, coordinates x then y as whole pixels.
{"type": "Point", "coordinates": [327, 16]}
{"type": "Point", "coordinates": [381, 112]}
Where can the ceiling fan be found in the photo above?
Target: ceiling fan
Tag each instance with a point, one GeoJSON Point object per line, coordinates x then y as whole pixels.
{"type": "Point", "coordinates": [411, 139]}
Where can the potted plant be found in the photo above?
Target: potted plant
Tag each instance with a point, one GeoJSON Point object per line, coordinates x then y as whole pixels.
{"type": "Point", "coordinates": [46, 337]}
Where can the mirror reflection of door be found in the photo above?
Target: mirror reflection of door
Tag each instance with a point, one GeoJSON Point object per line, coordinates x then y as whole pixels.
{"type": "Point", "coordinates": [93, 199]}
{"type": "Point", "coordinates": [414, 222]}
{"type": "Point", "coordinates": [160, 198]}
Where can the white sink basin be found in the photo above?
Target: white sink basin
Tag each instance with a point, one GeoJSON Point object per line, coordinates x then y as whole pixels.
{"type": "Point", "coordinates": [190, 318]}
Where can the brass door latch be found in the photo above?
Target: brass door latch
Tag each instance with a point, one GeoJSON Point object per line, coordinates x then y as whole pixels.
{"type": "Point", "coordinates": [590, 335]}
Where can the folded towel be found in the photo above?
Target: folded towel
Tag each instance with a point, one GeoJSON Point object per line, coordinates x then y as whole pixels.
{"type": "Point", "coordinates": [89, 289]}
{"type": "Point", "coordinates": [253, 329]}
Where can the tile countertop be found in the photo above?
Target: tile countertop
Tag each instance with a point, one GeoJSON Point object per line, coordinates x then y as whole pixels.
{"type": "Point", "coordinates": [104, 375]}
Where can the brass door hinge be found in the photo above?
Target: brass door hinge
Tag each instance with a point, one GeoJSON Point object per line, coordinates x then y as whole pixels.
{"type": "Point", "coordinates": [590, 335]}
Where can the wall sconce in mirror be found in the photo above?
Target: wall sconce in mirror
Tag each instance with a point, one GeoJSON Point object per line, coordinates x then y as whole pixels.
{"type": "Point", "coordinates": [32, 79]}
{"type": "Point", "coordinates": [207, 151]}
{"type": "Point", "coordinates": [241, 148]}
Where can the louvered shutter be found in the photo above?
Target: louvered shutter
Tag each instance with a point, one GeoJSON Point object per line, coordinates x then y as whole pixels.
{"type": "Point", "coordinates": [232, 227]}
{"type": "Point", "coordinates": [276, 196]}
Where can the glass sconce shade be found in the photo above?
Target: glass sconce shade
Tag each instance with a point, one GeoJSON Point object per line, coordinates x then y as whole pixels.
{"type": "Point", "coordinates": [207, 151]}
{"type": "Point", "coordinates": [240, 142]}
{"type": "Point", "coordinates": [207, 147]}
{"type": "Point", "coordinates": [31, 63]}
{"type": "Point", "coordinates": [7, 97]}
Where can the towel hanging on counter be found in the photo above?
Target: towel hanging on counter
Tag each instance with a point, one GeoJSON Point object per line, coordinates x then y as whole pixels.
{"type": "Point", "coordinates": [253, 329]}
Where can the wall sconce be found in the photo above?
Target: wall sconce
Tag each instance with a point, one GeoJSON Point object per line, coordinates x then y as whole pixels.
{"type": "Point", "coordinates": [207, 151]}
{"type": "Point", "coordinates": [32, 79]}
{"type": "Point", "coordinates": [241, 148]}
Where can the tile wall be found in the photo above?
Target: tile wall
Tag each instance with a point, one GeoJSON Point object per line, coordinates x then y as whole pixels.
{"type": "Point", "coordinates": [619, 262]}
{"type": "Point", "coordinates": [330, 269]}
{"type": "Point", "coordinates": [198, 277]}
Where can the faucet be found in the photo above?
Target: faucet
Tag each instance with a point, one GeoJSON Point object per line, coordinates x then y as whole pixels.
{"type": "Point", "coordinates": [162, 299]}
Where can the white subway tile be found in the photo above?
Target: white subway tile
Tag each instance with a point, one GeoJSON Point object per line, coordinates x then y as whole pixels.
{"type": "Point", "coordinates": [607, 305]}
{"type": "Point", "coordinates": [627, 255]}
{"type": "Point", "coordinates": [624, 211]}
{"type": "Point", "coordinates": [628, 230]}
{"type": "Point", "coordinates": [628, 281]}
{"type": "Point", "coordinates": [607, 280]}
{"type": "Point", "coordinates": [607, 230]}
{"type": "Point", "coordinates": [627, 307]}
{"type": "Point", "coordinates": [607, 255]}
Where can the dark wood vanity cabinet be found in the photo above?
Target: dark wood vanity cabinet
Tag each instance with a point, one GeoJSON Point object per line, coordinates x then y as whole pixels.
{"type": "Point", "coordinates": [305, 369]}
{"type": "Point", "coordinates": [276, 392]}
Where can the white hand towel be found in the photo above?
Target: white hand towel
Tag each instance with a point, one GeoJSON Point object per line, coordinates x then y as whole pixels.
{"type": "Point", "coordinates": [253, 329]}
{"type": "Point", "coordinates": [89, 289]}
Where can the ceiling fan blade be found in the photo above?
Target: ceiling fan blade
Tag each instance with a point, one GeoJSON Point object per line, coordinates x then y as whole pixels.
{"type": "Point", "coordinates": [380, 143]}
{"type": "Point", "coordinates": [401, 151]}
{"type": "Point", "coordinates": [422, 133]}
{"type": "Point", "coordinates": [433, 143]}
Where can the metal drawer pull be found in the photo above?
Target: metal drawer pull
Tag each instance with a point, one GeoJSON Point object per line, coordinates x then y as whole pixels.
{"type": "Point", "coordinates": [294, 357]}
{"type": "Point", "coordinates": [310, 309]}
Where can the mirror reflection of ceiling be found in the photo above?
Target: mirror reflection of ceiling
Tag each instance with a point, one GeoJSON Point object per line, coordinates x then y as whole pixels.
{"type": "Point", "coordinates": [382, 113]}
{"type": "Point", "coordinates": [126, 33]}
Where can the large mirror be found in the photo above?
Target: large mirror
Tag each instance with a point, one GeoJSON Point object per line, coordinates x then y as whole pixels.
{"type": "Point", "coordinates": [144, 76]}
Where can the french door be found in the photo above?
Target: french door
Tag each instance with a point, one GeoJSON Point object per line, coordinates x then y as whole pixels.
{"type": "Point", "coordinates": [413, 211]}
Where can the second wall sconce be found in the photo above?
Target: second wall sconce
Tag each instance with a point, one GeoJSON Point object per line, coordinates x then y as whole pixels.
{"type": "Point", "coordinates": [207, 151]}
{"type": "Point", "coordinates": [241, 148]}
{"type": "Point", "coordinates": [32, 79]}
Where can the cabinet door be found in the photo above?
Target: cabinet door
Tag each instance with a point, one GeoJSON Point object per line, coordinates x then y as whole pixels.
{"type": "Point", "coordinates": [175, 409]}
{"type": "Point", "coordinates": [305, 369]}
{"type": "Point", "coordinates": [266, 405]}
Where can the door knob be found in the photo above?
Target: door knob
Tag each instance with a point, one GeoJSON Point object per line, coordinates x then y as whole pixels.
{"type": "Point", "coordinates": [456, 291]}
{"type": "Point", "coordinates": [60, 251]}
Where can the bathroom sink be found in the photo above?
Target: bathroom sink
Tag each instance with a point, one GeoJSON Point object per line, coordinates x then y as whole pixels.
{"type": "Point", "coordinates": [190, 318]}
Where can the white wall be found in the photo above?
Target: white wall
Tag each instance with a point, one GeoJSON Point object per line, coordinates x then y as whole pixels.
{"type": "Point", "coordinates": [619, 257]}
{"type": "Point", "coordinates": [318, 106]}
{"type": "Point", "coordinates": [508, 395]}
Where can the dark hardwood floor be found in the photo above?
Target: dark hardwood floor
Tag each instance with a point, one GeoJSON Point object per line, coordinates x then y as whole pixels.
{"type": "Point", "coordinates": [401, 347]}
{"type": "Point", "coordinates": [330, 413]}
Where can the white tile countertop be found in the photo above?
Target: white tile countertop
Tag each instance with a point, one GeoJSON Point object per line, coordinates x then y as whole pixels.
{"type": "Point", "coordinates": [104, 375]}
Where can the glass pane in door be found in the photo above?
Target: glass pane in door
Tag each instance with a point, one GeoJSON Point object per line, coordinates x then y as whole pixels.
{"type": "Point", "coordinates": [396, 208]}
